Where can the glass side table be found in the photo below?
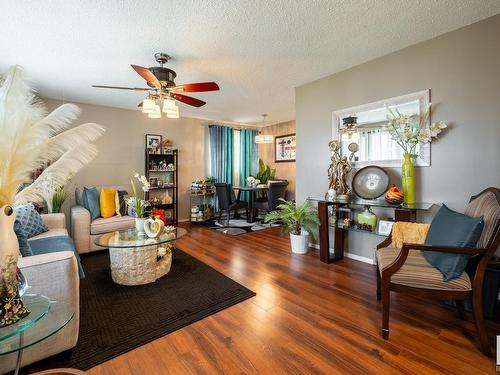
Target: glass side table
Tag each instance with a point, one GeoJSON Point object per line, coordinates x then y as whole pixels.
{"type": "Point", "coordinates": [45, 319]}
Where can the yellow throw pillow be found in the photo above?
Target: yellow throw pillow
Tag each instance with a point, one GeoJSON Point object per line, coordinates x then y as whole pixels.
{"type": "Point", "coordinates": [404, 232]}
{"type": "Point", "coordinates": [107, 202]}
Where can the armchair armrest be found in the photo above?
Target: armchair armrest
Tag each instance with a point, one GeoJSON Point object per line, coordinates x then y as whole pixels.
{"type": "Point", "coordinates": [403, 254]}
{"type": "Point", "coordinates": [386, 242]}
{"type": "Point", "coordinates": [54, 221]}
{"type": "Point", "coordinates": [80, 228]}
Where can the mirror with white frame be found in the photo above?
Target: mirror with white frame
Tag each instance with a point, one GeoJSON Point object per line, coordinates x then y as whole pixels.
{"type": "Point", "coordinates": [368, 142]}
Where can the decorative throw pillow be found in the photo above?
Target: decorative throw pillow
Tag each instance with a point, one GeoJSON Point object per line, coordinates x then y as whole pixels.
{"type": "Point", "coordinates": [24, 246]}
{"type": "Point", "coordinates": [450, 228]}
{"type": "Point", "coordinates": [121, 206]}
{"type": "Point", "coordinates": [90, 198]}
{"type": "Point", "coordinates": [107, 202]}
{"type": "Point", "coordinates": [30, 220]}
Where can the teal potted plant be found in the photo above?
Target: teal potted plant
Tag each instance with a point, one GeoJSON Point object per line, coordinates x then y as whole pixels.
{"type": "Point", "coordinates": [300, 221]}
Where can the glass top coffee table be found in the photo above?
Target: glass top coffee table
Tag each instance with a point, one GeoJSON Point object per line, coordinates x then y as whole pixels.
{"type": "Point", "coordinates": [46, 318]}
{"type": "Point", "coordinates": [136, 259]}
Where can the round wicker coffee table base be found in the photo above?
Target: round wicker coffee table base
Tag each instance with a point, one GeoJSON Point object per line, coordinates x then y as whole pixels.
{"type": "Point", "coordinates": [138, 265]}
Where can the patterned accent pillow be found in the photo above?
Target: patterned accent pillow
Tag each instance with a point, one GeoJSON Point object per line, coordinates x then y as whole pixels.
{"type": "Point", "coordinates": [24, 245]}
{"type": "Point", "coordinates": [121, 207]}
{"type": "Point", "coordinates": [30, 220]}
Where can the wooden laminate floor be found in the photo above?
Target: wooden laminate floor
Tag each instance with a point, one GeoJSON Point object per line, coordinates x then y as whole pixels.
{"type": "Point", "coordinates": [307, 318]}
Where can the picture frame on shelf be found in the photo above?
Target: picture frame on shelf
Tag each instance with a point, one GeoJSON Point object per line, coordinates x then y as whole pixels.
{"type": "Point", "coordinates": [285, 148]}
{"type": "Point", "coordinates": [153, 143]}
{"type": "Point", "coordinates": [153, 181]}
{"type": "Point", "coordinates": [385, 227]}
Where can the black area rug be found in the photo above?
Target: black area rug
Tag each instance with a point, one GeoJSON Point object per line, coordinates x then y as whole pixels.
{"type": "Point", "coordinates": [115, 319]}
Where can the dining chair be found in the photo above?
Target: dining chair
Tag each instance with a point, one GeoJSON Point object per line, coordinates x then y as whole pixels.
{"type": "Point", "coordinates": [277, 190]}
{"type": "Point", "coordinates": [406, 270]}
{"type": "Point", "coordinates": [228, 201]}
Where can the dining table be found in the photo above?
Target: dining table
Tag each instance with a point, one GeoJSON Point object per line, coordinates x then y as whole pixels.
{"type": "Point", "coordinates": [252, 190]}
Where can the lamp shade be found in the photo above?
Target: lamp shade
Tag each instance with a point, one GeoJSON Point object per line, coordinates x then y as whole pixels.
{"type": "Point", "coordinates": [264, 138]}
{"type": "Point", "coordinates": [148, 106]}
{"type": "Point", "coordinates": [169, 105]}
{"type": "Point", "coordinates": [155, 113]}
{"type": "Point", "coordinates": [172, 113]}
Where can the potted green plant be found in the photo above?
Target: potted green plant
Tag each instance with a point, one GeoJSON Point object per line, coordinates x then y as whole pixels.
{"type": "Point", "coordinates": [263, 176]}
{"type": "Point", "coordinates": [300, 221]}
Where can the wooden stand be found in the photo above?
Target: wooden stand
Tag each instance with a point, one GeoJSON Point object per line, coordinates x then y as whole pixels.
{"type": "Point", "coordinates": [400, 214]}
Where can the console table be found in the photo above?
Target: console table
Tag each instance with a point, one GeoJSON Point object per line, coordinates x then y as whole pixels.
{"type": "Point", "coordinates": [401, 213]}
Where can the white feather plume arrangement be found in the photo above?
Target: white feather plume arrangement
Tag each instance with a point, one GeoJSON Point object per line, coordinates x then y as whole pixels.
{"type": "Point", "coordinates": [31, 139]}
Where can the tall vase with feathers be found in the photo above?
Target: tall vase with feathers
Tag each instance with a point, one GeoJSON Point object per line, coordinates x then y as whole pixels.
{"type": "Point", "coordinates": [33, 139]}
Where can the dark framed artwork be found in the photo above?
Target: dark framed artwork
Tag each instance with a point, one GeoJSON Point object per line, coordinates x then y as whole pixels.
{"type": "Point", "coordinates": [284, 148]}
{"type": "Point", "coordinates": [153, 143]}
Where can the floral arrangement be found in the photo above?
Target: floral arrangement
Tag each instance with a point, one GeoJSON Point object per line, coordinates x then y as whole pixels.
{"type": "Point", "coordinates": [142, 208]}
{"type": "Point", "coordinates": [408, 133]}
{"type": "Point", "coordinates": [252, 181]}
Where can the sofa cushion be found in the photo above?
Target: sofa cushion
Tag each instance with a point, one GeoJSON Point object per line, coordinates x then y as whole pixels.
{"type": "Point", "coordinates": [107, 202]}
{"type": "Point", "coordinates": [450, 228]}
{"type": "Point", "coordinates": [418, 273]}
{"type": "Point", "coordinates": [55, 244]}
{"type": "Point", "coordinates": [111, 224]}
{"type": "Point", "coordinates": [30, 220]}
{"type": "Point", "coordinates": [90, 199]}
{"type": "Point", "coordinates": [52, 233]}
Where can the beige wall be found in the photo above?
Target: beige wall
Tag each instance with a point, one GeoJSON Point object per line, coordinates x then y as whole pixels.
{"type": "Point", "coordinates": [121, 149]}
{"type": "Point", "coordinates": [462, 69]}
{"type": "Point", "coordinates": [266, 153]}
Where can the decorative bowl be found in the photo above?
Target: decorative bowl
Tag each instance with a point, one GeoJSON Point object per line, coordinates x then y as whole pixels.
{"type": "Point", "coordinates": [370, 182]}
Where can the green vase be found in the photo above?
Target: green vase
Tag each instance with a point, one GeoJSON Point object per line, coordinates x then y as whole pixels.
{"type": "Point", "coordinates": [408, 179]}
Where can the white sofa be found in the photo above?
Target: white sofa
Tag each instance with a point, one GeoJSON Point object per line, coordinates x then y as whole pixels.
{"type": "Point", "coordinates": [84, 230]}
{"type": "Point", "coordinates": [54, 275]}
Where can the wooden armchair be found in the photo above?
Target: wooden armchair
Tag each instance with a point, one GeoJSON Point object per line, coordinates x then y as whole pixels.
{"type": "Point", "coordinates": [407, 271]}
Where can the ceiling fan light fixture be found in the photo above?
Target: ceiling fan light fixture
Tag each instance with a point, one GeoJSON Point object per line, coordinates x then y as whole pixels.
{"type": "Point", "coordinates": [172, 113]}
{"type": "Point", "coordinates": [148, 106]}
{"type": "Point", "coordinates": [169, 105]}
{"type": "Point", "coordinates": [156, 113]}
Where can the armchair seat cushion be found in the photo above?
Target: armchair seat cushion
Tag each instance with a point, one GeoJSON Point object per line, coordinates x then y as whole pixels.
{"type": "Point", "coordinates": [418, 273]}
{"type": "Point", "coordinates": [105, 225]}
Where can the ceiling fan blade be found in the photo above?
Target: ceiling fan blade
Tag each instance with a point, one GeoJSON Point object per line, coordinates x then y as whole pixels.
{"type": "Point", "coordinates": [196, 87]}
{"type": "Point", "coordinates": [187, 99]}
{"type": "Point", "coordinates": [122, 88]}
{"type": "Point", "coordinates": [147, 75]}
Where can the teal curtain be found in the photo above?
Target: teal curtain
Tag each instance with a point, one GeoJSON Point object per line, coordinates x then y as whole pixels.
{"type": "Point", "coordinates": [249, 158]}
{"type": "Point", "coordinates": [222, 153]}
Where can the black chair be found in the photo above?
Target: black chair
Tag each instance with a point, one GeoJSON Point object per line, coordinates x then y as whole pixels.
{"type": "Point", "coordinates": [276, 191]}
{"type": "Point", "coordinates": [227, 201]}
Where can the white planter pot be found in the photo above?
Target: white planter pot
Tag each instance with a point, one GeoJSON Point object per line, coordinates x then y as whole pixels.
{"type": "Point", "coordinates": [139, 225]}
{"type": "Point", "coordinates": [300, 242]}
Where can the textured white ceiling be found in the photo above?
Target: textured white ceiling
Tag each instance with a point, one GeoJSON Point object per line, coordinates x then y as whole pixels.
{"type": "Point", "coordinates": [256, 50]}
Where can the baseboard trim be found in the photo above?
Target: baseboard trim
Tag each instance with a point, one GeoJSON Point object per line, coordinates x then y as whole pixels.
{"type": "Point", "coordinates": [349, 255]}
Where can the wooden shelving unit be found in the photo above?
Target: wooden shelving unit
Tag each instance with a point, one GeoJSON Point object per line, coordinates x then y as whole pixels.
{"type": "Point", "coordinates": [170, 183]}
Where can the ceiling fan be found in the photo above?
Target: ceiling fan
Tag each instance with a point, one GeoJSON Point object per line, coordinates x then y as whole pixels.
{"type": "Point", "coordinates": [162, 89]}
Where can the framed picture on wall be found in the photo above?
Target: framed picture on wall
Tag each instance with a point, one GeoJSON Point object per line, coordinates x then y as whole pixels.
{"type": "Point", "coordinates": [284, 148]}
{"type": "Point", "coordinates": [153, 143]}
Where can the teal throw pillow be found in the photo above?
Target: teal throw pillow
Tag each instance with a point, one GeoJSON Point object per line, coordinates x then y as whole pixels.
{"type": "Point", "coordinates": [450, 228]}
{"type": "Point", "coordinates": [30, 221]}
{"type": "Point", "coordinates": [90, 198]}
